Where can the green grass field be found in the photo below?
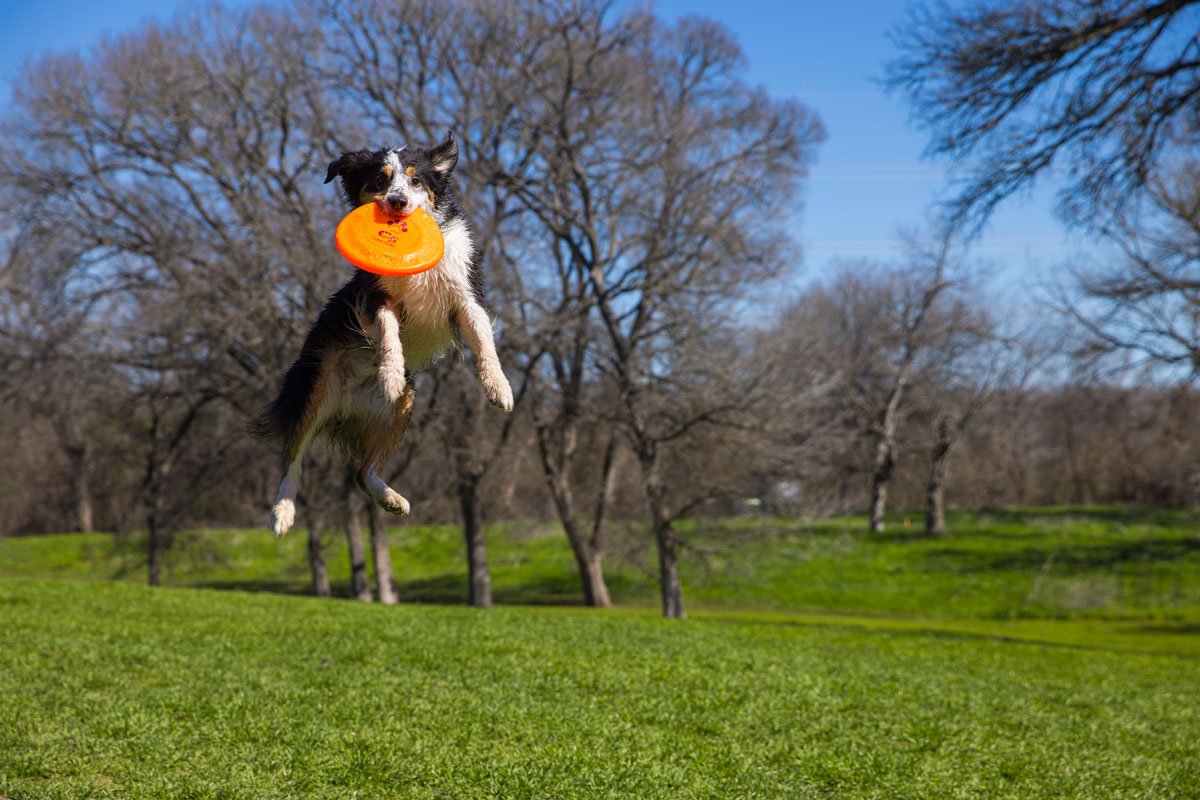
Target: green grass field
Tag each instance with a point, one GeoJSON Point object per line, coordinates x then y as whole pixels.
{"type": "Point", "coordinates": [1043, 653]}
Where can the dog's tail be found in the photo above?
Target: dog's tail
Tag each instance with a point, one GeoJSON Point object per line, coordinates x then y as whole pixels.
{"type": "Point", "coordinates": [282, 423]}
{"type": "Point", "coordinates": [277, 424]}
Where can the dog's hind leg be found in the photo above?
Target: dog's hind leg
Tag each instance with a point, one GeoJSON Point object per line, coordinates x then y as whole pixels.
{"type": "Point", "coordinates": [283, 512]}
{"type": "Point", "coordinates": [380, 438]}
{"type": "Point", "coordinates": [384, 496]}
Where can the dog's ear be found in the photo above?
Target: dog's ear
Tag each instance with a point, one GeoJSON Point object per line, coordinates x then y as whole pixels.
{"type": "Point", "coordinates": [445, 155]}
{"type": "Point", "coordinates": [347, 162]}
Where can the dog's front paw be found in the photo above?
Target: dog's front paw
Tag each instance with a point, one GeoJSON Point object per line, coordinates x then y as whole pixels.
{"type": "Point", "coordinates": [499, 393]}
{"type": "Point", "coordinates": [391, 381]}
{"type": "Point", "coordinates": [283, 514]}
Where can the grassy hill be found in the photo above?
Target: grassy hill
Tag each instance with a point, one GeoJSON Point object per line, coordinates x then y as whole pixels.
{"type": "Point", "coordinates": [1037, 654]}
{"type": "Point", "coordinates": [1107, 563]}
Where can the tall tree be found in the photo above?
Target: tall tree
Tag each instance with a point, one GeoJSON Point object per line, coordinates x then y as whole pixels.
{"type": "Point", "coordinates": [960, 380]}
{"type": "Point", "coordinates": [184, 161]}
{"type": "Point", "coordinates": [1102, 89]}
{"type": "Point", "coordinates": [876, 332]}
{"type": "Point", "coordinates": [1104, 92]}
{"type": "Point", "coordinates": [52, 348]}
{"type": "Point", "coordinates": [620, 170]}
{"type": "Point", "coordinates": [657, 176]}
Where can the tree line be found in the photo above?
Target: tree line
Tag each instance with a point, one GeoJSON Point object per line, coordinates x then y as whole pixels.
{"type": "Point", "coordinates": [167, 240]}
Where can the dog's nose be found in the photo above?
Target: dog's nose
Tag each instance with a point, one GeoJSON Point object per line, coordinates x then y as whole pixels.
{"type": "Point", "coordinates": [396, 202]}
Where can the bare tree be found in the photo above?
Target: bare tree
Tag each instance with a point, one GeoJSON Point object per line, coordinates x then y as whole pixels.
{"type": "Point", "coordinates": [960, 381]}
{"type": "Point", "coordinates": [166, 488]}
{"type": "Point", "coordinates": [877, 333]}
{"type": "Point", "coordinates": [179, 161]}
{"type": "Point", "coordinates": [467, 76]}
{"type": "Point", "coordinates": [475, 443]}
{"type": "Point", "coordinates": [1144, 310]}
{"type": "Point", "coordinates": [583, 132]}
{"type": "Point", "coordinates": [51, 349]}
{"type": "Point", "coordinates": [1101, 88]}
{"type": "Point", "coordinates": [645, 142]}
{"type": "Point", "coordinates": [1105, 92]}
{"type": "Point", "coordinates": [912, 306]}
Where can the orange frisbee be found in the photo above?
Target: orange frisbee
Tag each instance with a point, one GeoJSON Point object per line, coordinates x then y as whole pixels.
{"type": "Point", "coordinates": [387, 244]}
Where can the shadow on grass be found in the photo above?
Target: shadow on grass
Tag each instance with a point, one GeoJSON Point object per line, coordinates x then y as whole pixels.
{"type": "Point", "coordinates": [1181, 628]}
{"type": "Point", "coordinates": [1007, 524]}
{"type": "Point", "coordinates": [900, 631]}
{"type": "Point", "coordinates": [1132, 514]}
{"type": "Point", "coordinates": [451, 589]}
{"type": "Point", "coordinates": [268, 585]}
{"type": "Point", "coordinates": [446, 589]}
{"type": "Point", "coordinates": [916, 534]}
{"type": "Point", "coordinates": [1065, 557]}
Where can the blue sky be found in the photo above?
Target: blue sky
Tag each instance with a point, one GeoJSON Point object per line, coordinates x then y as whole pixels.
{"type": "Point", "coordinates": [870, 179]}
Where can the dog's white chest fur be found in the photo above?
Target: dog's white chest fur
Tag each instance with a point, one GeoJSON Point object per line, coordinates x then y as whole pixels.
{"type": "Point", "coordinates": [428, 299]}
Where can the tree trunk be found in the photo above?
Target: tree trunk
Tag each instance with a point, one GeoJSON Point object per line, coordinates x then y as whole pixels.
{"type": "Point", "coordinates": [360, 581]}
{"type": "Point", "coordinates": [591, 567]}
{"type": "Point", "coordinates": [604, 498]}
{"type": "Point", "coordinates": [587, 554]}
{"type": "Point", "coordinates": [880, 476]}
{"type": "Point", "coordinates": [587, 560]}
{"type": "Point", "coordinates": [669, 582]}
{"type": "Point", "coordinates": [82, 468]}
{"type": "Point", "coordinates": [935, 502]}
{"type": "Point", "coordinates": [316, 557]}
{"type": "Point", "coordinates": [595, 590]}
{"type": "Point", "coordinates": [668, 573]}
{"type": "Point", "coordinates": [1075, 477]}
{"type": "Point", "coordinates": [77, 446]}
{"type": "Point", "coordinates": [889, 420]}
{"type": "Point", "coordinates": [479, 579]}
{"type": "Point", "coordinates": [83, 505]}
{"type": "Point", "coordinates": [382, 556]}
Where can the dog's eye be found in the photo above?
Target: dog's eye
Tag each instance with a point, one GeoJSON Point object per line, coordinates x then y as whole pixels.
{"type": "Point", "coordinates": [416, 181]}
{"type": "Point", "coordinates": [381, 180]}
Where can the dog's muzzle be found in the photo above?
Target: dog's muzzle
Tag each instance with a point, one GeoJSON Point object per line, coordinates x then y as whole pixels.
{"type": "Point", "coordinates": [395, 203]}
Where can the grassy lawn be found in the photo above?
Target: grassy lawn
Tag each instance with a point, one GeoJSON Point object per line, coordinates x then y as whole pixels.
{"type": "Point", "coordinates": [1098, 563]}
{"type": "Point", "coordinates": [116, 690]}
{"type": "Point", "coordinates": [1044, 653]}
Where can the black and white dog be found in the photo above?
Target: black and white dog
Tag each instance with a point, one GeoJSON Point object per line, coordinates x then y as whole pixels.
{"type": "Point", "coordinates": [351, 383]}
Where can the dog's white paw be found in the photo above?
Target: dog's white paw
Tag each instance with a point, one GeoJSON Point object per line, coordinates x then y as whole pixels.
{"type": "Point", "coordinates": [392, 501]}
{"type": "Point", "coordinates": [499, 393]}
{"type": "Point", "coordinates": [283, 514]}
{"type": "Point", "coordinates": [391, 381]}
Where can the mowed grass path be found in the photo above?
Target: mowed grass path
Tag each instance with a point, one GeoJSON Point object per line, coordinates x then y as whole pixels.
{"type": "Point", "coordinates": [117, 690]}
{"type": "Point", "coordinates": [1043, 653]}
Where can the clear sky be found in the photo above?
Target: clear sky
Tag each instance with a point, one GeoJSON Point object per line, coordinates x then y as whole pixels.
{"type": "Point", "coordinates": [870, 179]}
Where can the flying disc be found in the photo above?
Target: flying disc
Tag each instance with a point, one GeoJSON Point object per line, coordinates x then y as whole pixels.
{"type": "Point", "coordinates": [386, 244]}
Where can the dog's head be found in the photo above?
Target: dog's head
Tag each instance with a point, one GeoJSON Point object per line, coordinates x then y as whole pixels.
{"type": "Point", "coordinates": [399, 180]}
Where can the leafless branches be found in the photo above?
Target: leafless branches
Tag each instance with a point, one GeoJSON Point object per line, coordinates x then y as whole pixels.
{"type": "Point", "coordinates": [1098, 90]}
{"type": "Point", "coordinates": [1144, 309]}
